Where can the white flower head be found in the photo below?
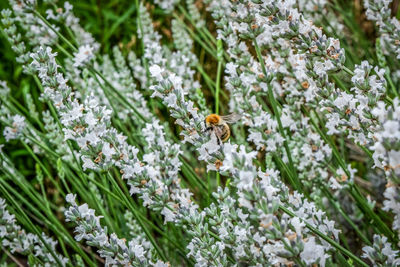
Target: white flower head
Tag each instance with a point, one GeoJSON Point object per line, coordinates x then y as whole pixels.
{"type": "Point", "coordinates": [70, 198]}
{"type": "Point", "coordinates": [156, 72]}
{"type": "Point", "coordinates": [83, 56]}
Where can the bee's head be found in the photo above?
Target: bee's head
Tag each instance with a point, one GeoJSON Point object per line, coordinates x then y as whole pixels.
{"type": "Point", "coordinates": [212, 119]}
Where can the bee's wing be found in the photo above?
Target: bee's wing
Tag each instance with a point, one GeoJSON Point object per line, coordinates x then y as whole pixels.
{"type": "Point", "coordinates": [231, 118]}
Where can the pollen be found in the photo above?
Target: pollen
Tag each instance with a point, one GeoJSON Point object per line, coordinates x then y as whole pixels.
{"type": "Point", "coordinates": [99, 157]}
{"type": "Point", "coordinates": [218, 164]}
{"type": "Point", "coordinates": [305, 85]}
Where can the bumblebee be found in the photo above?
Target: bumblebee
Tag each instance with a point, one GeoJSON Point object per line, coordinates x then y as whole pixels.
{"type": "Point", "coordinates": [219, 125]}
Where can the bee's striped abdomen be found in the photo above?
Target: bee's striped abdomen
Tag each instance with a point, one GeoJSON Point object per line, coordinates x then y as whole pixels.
{"type": "Point", "coordinates": [225, 133]}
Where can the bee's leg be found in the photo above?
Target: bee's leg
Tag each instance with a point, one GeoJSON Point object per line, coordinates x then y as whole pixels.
{"type": "Point", "coordinates": [219, 142]}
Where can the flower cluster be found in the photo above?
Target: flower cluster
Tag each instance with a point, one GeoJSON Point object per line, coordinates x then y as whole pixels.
{"type": "Point", "coordinates": [115, 251]}
{"type": "Point", "coordinates": [16, 126]}
{"type": "Point", "coordinates": [381, 252]}
{"type": "Point", "coordinates": [100, 147]}
{"type": "Point", "coordinates": [386, 154]}
{"type": "Point", "coordinates": [11, 32]}
{"type": "Point", "coordinates": [154, 179]}
{"type": "Point", "coordinates": [350, 112]}
{"type": "Point", "coordinates": [194, 13]}
{"type": "Point", "coordinates": [181, 61]}
{"type": "Point", "coordinates": [15, 130]}
{"type": "Point", "coordinates": [67, 17]}
{"type": "Point", "coordinates": [16, 240]}
{"type": "Point", "coordinates": [167, 5]}
{"type": "Point", "coordinates": [389, 27]}
{"type": "Point", "coordinates": [320, 13]}
{"type": "Point", "coordinates": [34, 29]}
{"type": "Point", "coordinates": [235, 162]}
{"type": "Point", "coordinates": [284, 73]}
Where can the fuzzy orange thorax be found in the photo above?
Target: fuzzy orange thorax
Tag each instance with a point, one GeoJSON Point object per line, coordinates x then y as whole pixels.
{"type": "Point", "coordinates": [213, 119]}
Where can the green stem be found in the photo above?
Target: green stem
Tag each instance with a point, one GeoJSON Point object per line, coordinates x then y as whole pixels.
{"type": "Point", "coordinates": [209, 82]}
{"type": "Point", "coordinates": [203, 31]}
{"type": "Point", "coordinates": [217, 89]}
{"type": "Point", "coordinates": [218, 79]}
{"type": "Point", "coordinates": [62, 178]}
{"type": "Point", "coordinates": [44, 168]}
{"type": "Point", "coordinates": [218, 178]}
{"type": "Point", "coordinates": [208, 189]}
{"type": "Point", "coordinates": [282, 164]}
{"type": "Point", "coordinates": [35, 197]}
{"type": "Point", "coordinates": [208, 36]}
{"type": "Point", "coordinates": [336, 205]}
{"type": "Point", "coordinates": [363, 204]}
{"type": "Point", "coordinates": [65, 40]}
{"type": "Point", "coordinates": [44, 194]}
{"type": "Point", "coordinates": [392, 86]}
{"type": "Point", "coordinates": [191, 175]}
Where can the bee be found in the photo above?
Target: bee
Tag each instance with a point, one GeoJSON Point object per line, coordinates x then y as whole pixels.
{"type": "Point", "coordinates": [219, 125]}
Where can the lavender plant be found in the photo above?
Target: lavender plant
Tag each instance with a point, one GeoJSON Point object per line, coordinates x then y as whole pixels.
{"type": "Point", "coordinates": [122, 108]}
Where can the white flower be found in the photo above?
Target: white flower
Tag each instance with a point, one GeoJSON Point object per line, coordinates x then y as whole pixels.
{"type": "Point", "coordinates": [394, 159]}
{"type": "Point", "coordinates": [297, 224]}
{"type": "Point", "coordinates": [149, 158]}
{"type": "Point", "coordinates": [146, 199]}
{"type": "Point", "coordinates": [139, 251]}
{"type": "Point", "coordinates": [88, 163]}
{"type": "Point", "coordinates": [169, 215]}
{"type": "Point", "coordinates": [208, 148]}
{"type": "Point", "coordinates": [156, 71]}
{"type": "Point", "coordinates": [161, 264]}
{"type": "Point", "coordinates": [18, 125]}
{"type": "Point", "coordinates": [84, 210]}
{"type": "Point", "coordinates": [83, 56]}
{"type": "Point", "coordinates": [108, 150]}
{"type": "Point", "coordinates": [313, 253]}
{"type": "Point", "coordinates": [391, 129]}
{"type": "Point", "coordinates": [242, 216]}
{"type": "Point", "coordinates": [70, 198]}
{"type": "Point", "coordinates": [259, 239]}
{"type": "Point", "coordinates": [246, 179]}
